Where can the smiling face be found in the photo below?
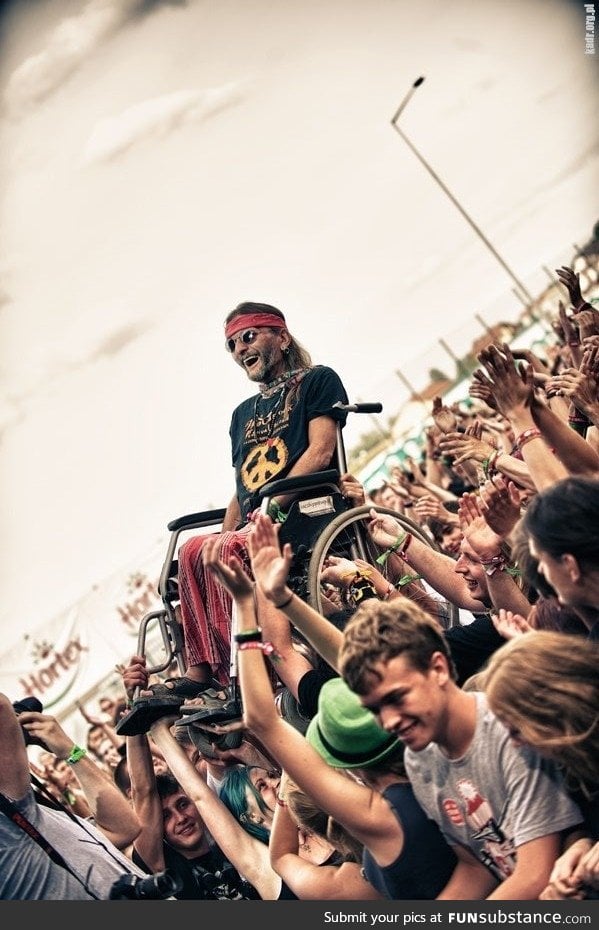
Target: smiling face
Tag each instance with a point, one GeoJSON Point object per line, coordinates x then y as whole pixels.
{"type": "Point", "coordinates": [266, 782]}
{"type": "Point", "coordinates": [411, 704]}
{"type": "Point", "coordinates": [183, 827]}
{"type": "Point", "coordinates": [469, 567]}
{"type": "Point", "coordinates": [262, 356]}
{"type": "Point", "coordinates": [451, 537]}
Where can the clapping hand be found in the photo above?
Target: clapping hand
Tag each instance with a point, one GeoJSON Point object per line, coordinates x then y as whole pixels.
{"type": "Point", "coordinates": [270, 564]}
{"type": "Point", "coordinates": [512, 388]}
{"type": "Point", "coordinates": [443, 417]}
{"type": "Point", "coordinates": [232, 575]}
{"type": "Point", "coordinates": [571, 282]}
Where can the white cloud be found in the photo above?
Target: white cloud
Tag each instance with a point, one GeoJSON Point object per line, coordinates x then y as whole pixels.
{"type": "Point", "coordinates": [96, 336]}
{"type": "Point", "coordinates": [68, 45]}
{"type": "Point", "coordinates": [156, 118]}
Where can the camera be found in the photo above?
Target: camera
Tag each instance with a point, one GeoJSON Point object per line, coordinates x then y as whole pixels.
{"type": "Point", "coordinates": [21, 707]}
{"type": "Point", "coordinates": [155, 887]}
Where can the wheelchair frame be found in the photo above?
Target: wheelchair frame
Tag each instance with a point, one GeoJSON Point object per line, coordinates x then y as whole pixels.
{"type": "Point", "coordinates": [315, 536]}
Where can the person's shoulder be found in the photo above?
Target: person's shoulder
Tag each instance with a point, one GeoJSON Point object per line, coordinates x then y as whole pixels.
{"type": "Point", "coordinates": [326, 379]}
{"type": "Point", "coordinates": [27, 804]}
{"type": "Point", "coordinates": [242, 405]}
{"type": "Point", "coordinates": [323, 370]}
{"type": "Point", "coordinates": [485, 718]}
{"type": "Point", "coordinates": [416, 762]}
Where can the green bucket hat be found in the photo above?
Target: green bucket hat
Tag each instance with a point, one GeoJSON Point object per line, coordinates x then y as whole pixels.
{"type": "Point", "coordinates": [346, 734]}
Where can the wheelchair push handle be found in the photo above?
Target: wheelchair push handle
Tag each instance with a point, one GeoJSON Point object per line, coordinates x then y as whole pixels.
{"type": "Point", "coordinates": [350, 408]}
{"type": "Point", "coordinates": [359, 408]}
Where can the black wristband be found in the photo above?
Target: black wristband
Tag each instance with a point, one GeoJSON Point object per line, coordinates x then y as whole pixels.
{"type": "Point", "coordinates": [249, 636]}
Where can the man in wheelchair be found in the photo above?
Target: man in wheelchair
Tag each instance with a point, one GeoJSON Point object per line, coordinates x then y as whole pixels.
{"type": "Point", "coordinates": [287, 429]}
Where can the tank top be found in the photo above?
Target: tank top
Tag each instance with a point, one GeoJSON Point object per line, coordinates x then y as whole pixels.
{"type": "Point", "coordinates": [426, 861]}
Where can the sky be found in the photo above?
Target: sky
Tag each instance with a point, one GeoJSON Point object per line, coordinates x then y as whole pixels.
{"type": "Point", "coordinates": [162, 161]}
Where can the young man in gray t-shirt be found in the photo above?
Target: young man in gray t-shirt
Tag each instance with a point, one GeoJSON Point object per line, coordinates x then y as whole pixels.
{"type": "Point", "coordinates": [502, 808]}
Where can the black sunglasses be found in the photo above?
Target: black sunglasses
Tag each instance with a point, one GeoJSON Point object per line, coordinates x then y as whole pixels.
{"type": "Point", "coordinates": [247, 337]}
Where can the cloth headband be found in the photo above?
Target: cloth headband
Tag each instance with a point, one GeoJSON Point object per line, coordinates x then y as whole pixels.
{"type": "Point", "coordinates": [249, 320]}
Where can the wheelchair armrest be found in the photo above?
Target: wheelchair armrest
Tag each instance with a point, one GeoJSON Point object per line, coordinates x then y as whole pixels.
{"type": "Point", "coordinates": [303, 482]}
{"type": "Point", "coordinates": [190, 520]}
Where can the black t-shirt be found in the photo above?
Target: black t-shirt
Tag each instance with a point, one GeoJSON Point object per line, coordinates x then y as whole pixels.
{"type": "Point", "coordinates": [209, 877]}
{"type": "Point", "coordinates": [269, 434]}
{"type": "Point", "coordinates": [472, 645]}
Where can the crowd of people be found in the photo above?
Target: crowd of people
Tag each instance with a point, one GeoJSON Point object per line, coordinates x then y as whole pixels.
{"type": "Point", "coordinates": [432, 732]}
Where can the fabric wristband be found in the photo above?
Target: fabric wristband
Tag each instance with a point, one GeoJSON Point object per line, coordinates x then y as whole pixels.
{"type": "Point", "coordinates": [249, 636]}
{"type": "Point", "coordinates": [75, 755]}
{"type": "Point", "coordinates": [394, 547]}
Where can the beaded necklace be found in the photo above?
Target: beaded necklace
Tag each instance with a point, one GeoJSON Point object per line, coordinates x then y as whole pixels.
{"type": "Point", "coordinates": [280, 385]}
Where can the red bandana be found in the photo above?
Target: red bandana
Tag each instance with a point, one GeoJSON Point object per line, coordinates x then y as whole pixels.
{"type": "Point", "coordinates": [251, 321]}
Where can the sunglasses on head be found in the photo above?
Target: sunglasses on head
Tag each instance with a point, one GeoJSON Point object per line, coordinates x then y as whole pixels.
{"type": "Point", "coordinates": [247, 337]}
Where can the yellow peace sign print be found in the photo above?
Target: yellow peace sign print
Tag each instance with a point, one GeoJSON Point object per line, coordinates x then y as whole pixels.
{"type": "Point", "coordinates": [263, 463]}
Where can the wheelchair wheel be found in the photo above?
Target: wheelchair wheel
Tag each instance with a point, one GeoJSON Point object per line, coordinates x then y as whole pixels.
{"type": "Point", "coordinates": [346, 536]}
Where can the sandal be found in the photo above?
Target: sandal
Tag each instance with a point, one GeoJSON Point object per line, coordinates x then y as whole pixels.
{"type": "Point", "coordinates": [215, 708]}
{"type": "Point", "coordinates": [207, 743]}
{"type": "Point", "coordinates": [163, 701]}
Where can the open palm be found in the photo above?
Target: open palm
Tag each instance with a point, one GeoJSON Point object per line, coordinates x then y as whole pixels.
{"type": "Point", "coordinates": [270, 565]}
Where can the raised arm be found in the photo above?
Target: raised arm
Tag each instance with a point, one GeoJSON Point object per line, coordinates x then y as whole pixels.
{"type": "Point", "coordinates": [110, 810]}
{"type": "Point", "coordinates": [249, 856]}
{"type": "Point", "coordinates": [359, 809]}
{"type": "Point", "coordinates": [15, 779]}
{"type": "Point", "coordinates": [436, 568]}
{"type": "Point", "coordinates": [270, 567]}
{"type": "Point", "coordinates": [308, 881]}
{"type": "Point", "coordinates": [144, 793]}
{"type": "Point", "coordinates": [514, 394]}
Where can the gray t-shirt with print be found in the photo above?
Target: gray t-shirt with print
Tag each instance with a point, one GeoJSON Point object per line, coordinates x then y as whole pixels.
{"type": "Point", "coordinates": [495, 798]}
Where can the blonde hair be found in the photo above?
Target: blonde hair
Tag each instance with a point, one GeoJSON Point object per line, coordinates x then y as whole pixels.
{"type": "Point", "coordinates": [310, 816]}
{"type": "Point", "coordinates": [546, 686]}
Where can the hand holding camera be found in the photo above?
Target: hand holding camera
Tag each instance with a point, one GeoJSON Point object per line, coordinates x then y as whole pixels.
{"type": "Point", "coordinates": [40, 729]}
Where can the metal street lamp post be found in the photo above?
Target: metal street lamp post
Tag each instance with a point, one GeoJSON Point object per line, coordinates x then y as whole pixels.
{"type": "Point", "coordinates": [447, 192]}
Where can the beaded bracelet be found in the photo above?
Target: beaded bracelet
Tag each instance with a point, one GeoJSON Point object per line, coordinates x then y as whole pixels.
{"type": "Point", "coordinates": [267, 648]}
{"type": "Point", "coordinates": [496, 563]}
{"type": "Point", "coordinates": [406, 546]}
{"type": "Point", "coordinates": [492, 465]}
{"type": "Point", "coordinates": [494, 560]}
{"type": "Point", "coordinates": [526, 436]}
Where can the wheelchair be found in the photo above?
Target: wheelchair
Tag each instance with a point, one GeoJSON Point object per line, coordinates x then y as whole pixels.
{"type": "Point", "coordinates": [320, 523]}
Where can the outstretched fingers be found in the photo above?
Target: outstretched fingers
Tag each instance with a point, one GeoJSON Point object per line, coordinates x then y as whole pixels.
{"type": "Point", "coordinates": [230, 574]}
